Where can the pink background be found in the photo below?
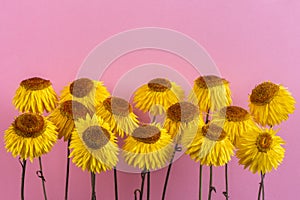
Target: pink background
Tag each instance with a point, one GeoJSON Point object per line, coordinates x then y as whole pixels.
{"type": "Point", "coordinates": [250, 41]}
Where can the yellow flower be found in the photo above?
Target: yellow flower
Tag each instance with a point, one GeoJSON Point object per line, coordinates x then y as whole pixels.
{"type": "Point", "coordinates": [182, 118]}
{"type": "Point", "coordinates": [65, 115]}
{"type": "Point", "coordinates": [118, 114]}
{"type": "Point", "coordinates": [260, 150]}
{"type": "Point", "coordinates": [157, 96]}
{"type": "Point", "coordinates": [150, 147]}
{"type": "Point", "coordinates": [210, 146]}
{"type": "Point", "coordinates": [94, 145]}
{"type": "Point", "coordinates": [30, 136]}
{"type": "Point", "coordinates": [210, 93]}
{"type": "Point", "coordinates": [270, 103]}
{"type": "Point", "coordinates": [35, 95]}
{"type": "Point", "coordinates": [90, 93]}
{"type": "Point", "coordinates": [235, 121]}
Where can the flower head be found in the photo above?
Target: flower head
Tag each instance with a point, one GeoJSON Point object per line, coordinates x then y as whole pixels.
{"type": "Point", "coordinates": [149, 147]}
{"type": "Point", "coordinates": [157, 95]}
{"type": "Point", "coordinates": [118, 113]}
{"type": "Point", "coordinates": [270, 104]}
{"type": "Point", "coordinates": [30, 136]}
{"type": "Point", "coordinates": [90, 93]}
{"type": "Point", "coordinates": [35, 95]}
{"type": "Point", "coordinates": [211, 93]}
{"type": "Point", "coordinates": [182, 118]}
{"type": "Point", "coordinates": [260, 150]}
{"type": "Point", "coordinates": [210, 146]}
{"type": "Point", "coordinates": [93, 145]}
{"type": "Point", "coordinates": [235, 120]}
{"type": "Point", "coordinates": [65, 115]}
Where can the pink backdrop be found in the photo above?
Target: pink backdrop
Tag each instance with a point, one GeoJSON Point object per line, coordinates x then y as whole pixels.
{"type": "Point", "coordinates": [250, 42]}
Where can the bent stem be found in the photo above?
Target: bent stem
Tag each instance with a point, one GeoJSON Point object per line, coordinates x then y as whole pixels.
{"type": "Point", "coordinates": [23, 164]}
{"type": "Point", "coordinates": [67, 171]}
{"type": "Point", "coordinates": [226, 182]}
{"type": "Point", "coordinates": [211, 187]}
{"type": "Point", "coordinates": [93, 181]}
{"type": "Point", "coordinates": [261, 187]}
{"type": "Point", "coordinates": [40, 174]}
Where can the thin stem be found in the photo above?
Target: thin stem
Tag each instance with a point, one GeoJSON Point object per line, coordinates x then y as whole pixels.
{"type": "Point", "coordinates": [23, 178]}
{"type": "Point", "coordinates": [261, 187]}
{"type": "Point", "coordinates": [168, 172]}
{"type": "Point", "coordinates": [200, 182]}
{"type": "Point", "coordinates": [41, 176]}
{"type": "Point", "coordinates": [93, 181]}
{"type": "Point", "coordinates": [116, 183]}
{"type": "Point", "coordinates": [68, 170]}
{"type": "Point", "coordinates": [211, 187]}
{"type": "Point", "coordinates": [226, 181]}
{"type": "Point", "coordinates": [143, 174]}
{"type": "Point", "coordinates": [148, 185]}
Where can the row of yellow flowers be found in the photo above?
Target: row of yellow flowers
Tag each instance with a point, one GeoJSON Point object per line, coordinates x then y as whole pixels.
{"type": "Point", "coordinates": [90, 118]}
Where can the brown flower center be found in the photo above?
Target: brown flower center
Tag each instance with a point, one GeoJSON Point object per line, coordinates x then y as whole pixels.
{"type": "Point", "coordinates": [209, 81]}
{"type": "Point", "coordinates": [81, 87]}
{"type": "Point", "coordinates": [159, 84]}
{"type": "Point", "coordinates": [29, 125]}
{"type": "Point", "coordinates": [147, 134]}
{"type": "Point", "coordinates": [117, 106]}
{"type": "Point", "coordinates": [96, 137]}
{"type": "Point", "coordinates": [213, 132]}
{"type": "Point", "coordinates": [264, 93]}
{"type": "Point", "coordinates": [35, 83]}
{"type": "Point", "coordinates": [182, 112]}
{"type": "Point", "coordinates": [74, 110]}
{"type": "Point", "coordinates": [235, 113]}
{"type": "Point", "coordinates": [264, 142]}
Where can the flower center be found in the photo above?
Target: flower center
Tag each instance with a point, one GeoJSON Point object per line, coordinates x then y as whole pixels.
{"type": "Point", "coordinates": [117, 106]}
{"type": "Point", "coordinates": [213, 132]}
{"type": "Point", "coordinates": [182, 112]}
{"type": "Point", "coordinates": [74, 110]}
{"type": "Point", "coordinates": [35, 83]}
{"type": "Point", "coordinates": [29, 125]}
{"type": "Point", "coordinates": [147, 134]}
{"type": "Point", "coordinates": [264, 93]}
{"type": "Point", "coordinates": [209, 81]}
{"type": "Point", "coordinates": [235, 113]}
{"type": "Point", "coordinates": [264, 142]}
{"type": "Point", "coordinates": [159, 84]}
{"type": "Point", "coordinates": [81, 87]}
{"type": "Point", "coordinates": [95, 137]}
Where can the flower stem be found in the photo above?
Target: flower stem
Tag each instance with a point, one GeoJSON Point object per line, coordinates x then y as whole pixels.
{"type": "Point", "coordinates": [143, 174]}
{"type": "Point", "coordinates": [41, 176]}
{"type": "Point", "coordinates": [93, 181]}
{"type": "Point", "coordinates": [226, 182]}
{"type": "Point", "coordinates": [169, 170]}
{"type": "Point", "coordinates": [261, 187]}
{"type": "Point", "coordinates": [200, 182]}
{"type": "Point", "coordinates": [116, 183]}
{"type": "Point", "coordinates": [211, 187]}
{"type": "Point", "coordinates": [23, 178]}
{"type": "Point", "coordinates": [148, 185]}
{"type": "Point", "coordinates": [67, 171]}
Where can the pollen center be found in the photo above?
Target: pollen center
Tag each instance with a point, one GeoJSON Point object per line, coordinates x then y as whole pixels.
{"type": "Point", "coordinates": [35, 83]}
{"type": "Point", "coordinates": [209, 81]}
{"type": "Point", "coordinates": [264, 93]}
{"type": "Point", "coordinates": [74, 110]}
{"type": "Point", "coordinates": [235, 113]}
{"type": "Point", "coordinates": [213, 132]}
{"type": "Point", "coordinates": [159, 84]}
{"type": "Point", "coordinates": [117, 106]}
{"type": "Point", "coordinates": [182, 112]}
{"type": "Point", "coordinates": [95, 137]}
{"type": "Point", "coordinates": [29, 125]}
{"type": "Point", "coordinates": [147, 134]}
{"type": "Point", "coordinates": [264, 142]}
{"type": "Point", "coordinates": [81, 87]}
